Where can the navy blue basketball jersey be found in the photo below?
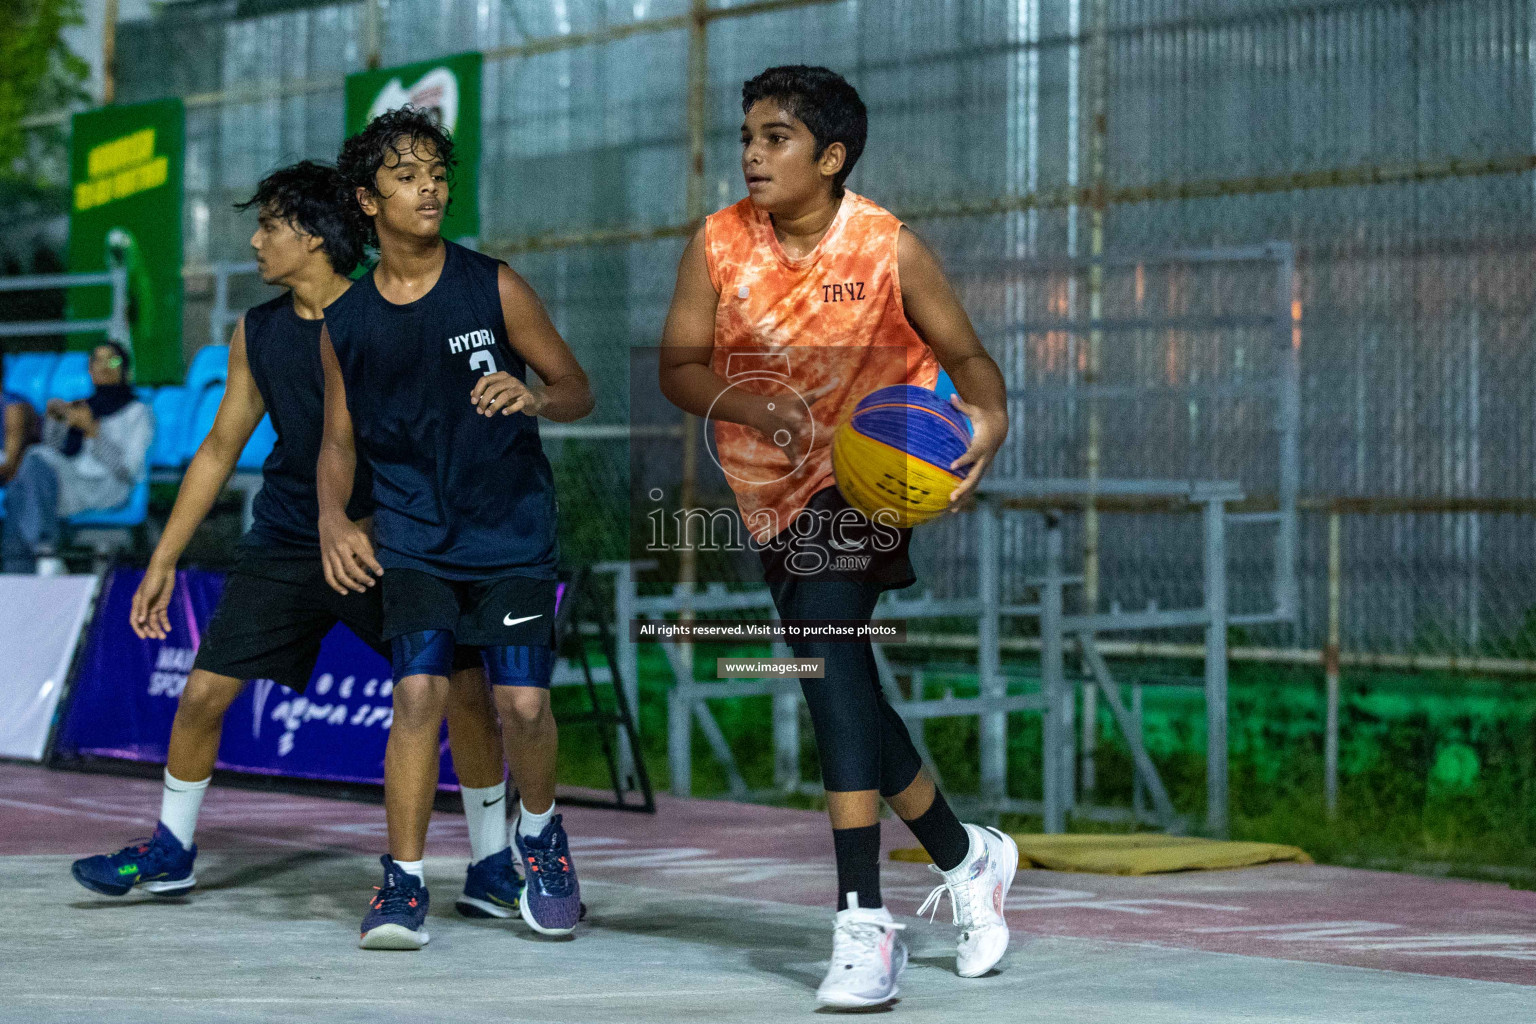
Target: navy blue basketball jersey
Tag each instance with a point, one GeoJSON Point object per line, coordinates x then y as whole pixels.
{"type": "Point", "coordinates": [459, 495]}
{"type": "Point", "coordinates": [283, 350]}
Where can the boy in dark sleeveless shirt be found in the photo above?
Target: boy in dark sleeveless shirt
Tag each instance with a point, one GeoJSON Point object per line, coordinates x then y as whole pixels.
{"type": "Point", "coordinates": [851, 301]}
{"type": "Point", "coordinates": [425, 360]}
{"type": "Point", "coordinates": [276, 607]}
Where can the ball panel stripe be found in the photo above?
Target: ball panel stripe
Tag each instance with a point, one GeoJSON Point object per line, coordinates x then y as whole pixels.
{"type": "Point", "coordinates": [893, 454]}
{"type": "Point", "coordinates": [912, 427]}
{"type": "Point", "coordinates": [947, 415]}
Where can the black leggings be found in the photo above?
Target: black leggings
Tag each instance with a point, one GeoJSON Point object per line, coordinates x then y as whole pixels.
{"type": "Point", "coordinates": [862, 741]}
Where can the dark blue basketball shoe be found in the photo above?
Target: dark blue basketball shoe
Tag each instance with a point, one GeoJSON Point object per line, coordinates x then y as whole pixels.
{"type": "Point", "coordinates": [491, 888]}
{"type": "Point", "coordinates": [397, 914]}
{"type": "Point", "coordinates": [551, 901]}
{"type": "Point", "coordinates": [160, 864]}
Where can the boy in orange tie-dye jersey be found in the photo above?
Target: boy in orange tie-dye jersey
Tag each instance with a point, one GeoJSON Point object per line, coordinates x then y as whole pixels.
{"type": "Point", "coordinates": [791, 306]}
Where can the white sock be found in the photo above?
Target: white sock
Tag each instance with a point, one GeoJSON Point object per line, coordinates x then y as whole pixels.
{"type": "Point", "coordinates": [413, 867]}
{"type": "Point", "coordinates": [485, 811]}
{"type": "Point", "coordinates": [530, 824]}
{"type": "Point", "coordinates": [179, 803]}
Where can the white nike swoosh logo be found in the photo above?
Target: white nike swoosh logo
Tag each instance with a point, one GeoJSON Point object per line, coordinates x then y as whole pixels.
{"type": "Point", "coordinates": [510, 621]}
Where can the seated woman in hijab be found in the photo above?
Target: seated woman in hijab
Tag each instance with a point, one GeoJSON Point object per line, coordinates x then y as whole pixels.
{"type": "Point", "coordinates": [91, 455]}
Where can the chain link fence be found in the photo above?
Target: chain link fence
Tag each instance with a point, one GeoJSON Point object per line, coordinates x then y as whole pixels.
{"type": "Point", "coordinates": [1390, 142]}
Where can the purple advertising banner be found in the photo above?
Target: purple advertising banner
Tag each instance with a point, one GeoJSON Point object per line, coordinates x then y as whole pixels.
{"type": "Point", "coordinates": [126, 689]}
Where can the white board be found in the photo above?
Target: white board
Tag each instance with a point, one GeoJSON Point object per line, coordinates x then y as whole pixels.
{"type": "Point", "coordinates": [40, 622]}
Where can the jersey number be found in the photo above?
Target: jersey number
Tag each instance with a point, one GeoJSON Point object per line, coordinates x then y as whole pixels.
{"type": "Point", "coordinates": [483, 361]}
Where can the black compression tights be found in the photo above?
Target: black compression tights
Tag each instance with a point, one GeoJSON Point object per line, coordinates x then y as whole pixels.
{"type": "Point", "coordinates": [862, 741]}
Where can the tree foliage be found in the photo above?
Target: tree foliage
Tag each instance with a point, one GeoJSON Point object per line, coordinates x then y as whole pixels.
{"type": "Point", "coordinates": [40, 76]}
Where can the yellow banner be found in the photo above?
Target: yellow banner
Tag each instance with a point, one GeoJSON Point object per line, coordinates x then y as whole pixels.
{"type": "Point", "coordinates": [121, 168]}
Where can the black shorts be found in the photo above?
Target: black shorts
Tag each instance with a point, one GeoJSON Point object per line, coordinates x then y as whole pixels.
{"type": "Point", "coordinates": [831, 540]}
{"type": "Point", "coordinates": [510, 611]}
{"type": "Point", "coordinates": [273, 616]}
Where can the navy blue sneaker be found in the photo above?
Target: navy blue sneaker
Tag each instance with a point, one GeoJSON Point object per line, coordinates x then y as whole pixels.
{"type": "Point", "coordinates": [491, 888]}
{"type": "Point", "coordinates": [551, 901]}
{"type": "Point", "coordinates": [160, 864]}
{"type": "Point", "coordinates": [397, 914]}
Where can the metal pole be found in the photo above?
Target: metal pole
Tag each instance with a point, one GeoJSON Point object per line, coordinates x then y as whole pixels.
{"type": "Point", "coordinates": [109, 52]}
{"type": "Point", "coordinates": [1216, 669]}
{"type": "Point", "coordinates": [628, 657]}
{"type": "Point", "coordinates": [680, 738]}
{"type": "Point", "coordinates": [1331, 668]}
{"type": "Point", "coordinates": [698, 76]}
{"type": "Point", "coordinates": [1052, 682]}
{"type": "Point", "coordinates": [373, 34]}
{"type": "Point", "coordinates": [698, 112]}
{"type": "Point", "coordinates": [1286, 601]}
{"type": "Point", "coordinates": [220, 314]}
{"type": "Point", "coordinates": [994, 724]}
{"type": "Point", "coordinates": [1138, 787]}
{"type": "Point", "coordinates": [1098, 133]}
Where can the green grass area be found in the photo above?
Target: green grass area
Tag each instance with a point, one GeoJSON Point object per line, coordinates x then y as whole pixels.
{"type": "Point", "coordinates": [1437, 773]}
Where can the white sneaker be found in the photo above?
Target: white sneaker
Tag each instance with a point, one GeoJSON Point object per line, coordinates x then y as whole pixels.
{"type": "Point", "coordinates": [867, 958]}
{"type": "Point", "coordinates": [978, 887]}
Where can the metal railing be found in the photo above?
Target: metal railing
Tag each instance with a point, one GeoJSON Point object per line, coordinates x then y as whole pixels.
{"type": "Point", "coordinates": [114, 325]}
{"type": "Point", "coordinates": [689, 697]}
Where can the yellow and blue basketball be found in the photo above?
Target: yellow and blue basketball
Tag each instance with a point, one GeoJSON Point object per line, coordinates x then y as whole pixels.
{"type": "Point", "coordinates": [894, 453]}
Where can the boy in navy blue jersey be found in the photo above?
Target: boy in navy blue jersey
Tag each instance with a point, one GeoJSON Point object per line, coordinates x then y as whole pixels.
{"type": "Point", "coordinates": [276, 608]}
{"type": "Point", "coordinates": [425, 365]}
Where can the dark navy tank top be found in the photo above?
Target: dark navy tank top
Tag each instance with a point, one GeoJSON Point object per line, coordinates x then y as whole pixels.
{"type": "Point", "coordinates": [458, 495]}
{"type": "Point", "coordinates": [283, 350]}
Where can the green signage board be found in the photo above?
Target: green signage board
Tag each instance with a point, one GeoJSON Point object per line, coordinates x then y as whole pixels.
{"type": "Point", "coordinates": [125, 193]}
{"type": "Point", "coordinates": [448, 86]}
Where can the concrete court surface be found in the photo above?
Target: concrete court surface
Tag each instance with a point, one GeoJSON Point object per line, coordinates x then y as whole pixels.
{"type": "Point", "coordinates": [709, 911]}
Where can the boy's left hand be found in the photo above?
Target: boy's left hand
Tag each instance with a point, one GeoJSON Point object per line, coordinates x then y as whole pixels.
{"type": "Point", "coordinates": [987, 433]}
{"type": "Point", "coordinates": [503, 393]}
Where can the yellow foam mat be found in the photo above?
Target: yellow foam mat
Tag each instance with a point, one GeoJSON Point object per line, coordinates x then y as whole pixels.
{"type": "Point", "coordinates": [1139, 854]}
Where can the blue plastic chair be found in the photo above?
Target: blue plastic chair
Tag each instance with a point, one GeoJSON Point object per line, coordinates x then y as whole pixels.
{"type": "Point", "coordinates": [169, 405]}
{"type": "Point", "coordinates": [131, 512]}
{"type": "Point", "coordinates": [258, 447]}
{"type": "Point", "coordinates": [209, 366]}
{"type": "Point", "coordinates": [199, 418]}
{"type": "Point", "coordinates": [71, 379]}
{"type": "Point", "coordinates": [28, 374]}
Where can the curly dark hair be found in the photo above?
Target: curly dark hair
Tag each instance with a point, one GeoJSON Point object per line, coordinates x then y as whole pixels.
{"type": "Point", "coordinates": [379, 145]}
{"type": "Point", "coordinates": [823, 101]}
{"type": "Point", "coordinates": [317, 200]}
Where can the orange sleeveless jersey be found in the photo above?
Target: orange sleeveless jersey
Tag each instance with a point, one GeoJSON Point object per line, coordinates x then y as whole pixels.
{"type": "Point", "coordinates": [784, 327]}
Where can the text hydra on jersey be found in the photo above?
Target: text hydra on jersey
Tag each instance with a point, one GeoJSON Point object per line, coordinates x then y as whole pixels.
{"type": "Point", "coordinates": [472, 340]}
